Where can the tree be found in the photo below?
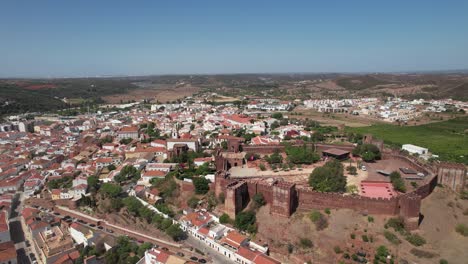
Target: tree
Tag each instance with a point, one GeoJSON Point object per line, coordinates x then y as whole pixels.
{"type": "Point", "coordinates": [397, 182]}
{"type": "Point", "coordinates": [351, 170]}
{"type": "Point", "coordinates": [274, 158]}
{"type": "Point", "coordinates": [133, 205]}
{"type": "Point", "coordinates": [301, 155]}
{"type": "Point", "coordinates": [368, 152]}
{"type": "Point", "coordinates": [328, 178]}
{"type": "Point", "coordinates": [111, 167]}
{"type": "Point", "coordinates": [224, 219]}
{"type": "Point", "coordinates": [245, 220]}
{"type": "Point", "coordinates": [201, 185]}
{"type": "Point", "coordinates": [193, 202]}
{"type": "Point", "coordinates": [259, 199]}
{"type": "Point", "coordinates": [125, 141]}
{"type": "Point", "coordinates": [175, 232]}
{"type": "Point", "coordinates": [277, 115]}
{"type": "Point", "coordinates": [262, 167]}
{"type": "Point", "coordinates": [110, 189]}
{"type": "Point", "coordinates": [368, 156]}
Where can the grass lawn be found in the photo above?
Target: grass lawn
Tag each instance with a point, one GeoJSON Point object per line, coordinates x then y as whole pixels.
{"type": "Point", "coordinates": [449, 139]}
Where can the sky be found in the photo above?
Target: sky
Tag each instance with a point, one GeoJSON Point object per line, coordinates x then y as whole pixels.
{"type": "Point", "coordinates": [98, 37]}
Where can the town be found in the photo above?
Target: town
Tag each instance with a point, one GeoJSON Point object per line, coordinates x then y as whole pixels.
{"type": "Point", "coordinates": [190, 181]}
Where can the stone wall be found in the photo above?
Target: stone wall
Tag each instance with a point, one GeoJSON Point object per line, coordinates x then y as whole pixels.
{"type": "Point", "coordinates": [452, 175]}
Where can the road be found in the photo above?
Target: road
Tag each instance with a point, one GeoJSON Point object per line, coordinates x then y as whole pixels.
{"type": "Point", "coordinates": [17, 232]}
{"type": "Point", "coordinates": [215, 256]}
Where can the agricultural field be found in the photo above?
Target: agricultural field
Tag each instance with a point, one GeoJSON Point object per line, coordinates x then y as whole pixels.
{"type": "Point", "coordinates": [448, 139]}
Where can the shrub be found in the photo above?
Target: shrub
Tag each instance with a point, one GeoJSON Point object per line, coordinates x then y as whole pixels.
{"type": "Point", "coordinates": [392, 238]}
{"type": "Point", "coordinates": [416, 239]}
{"type": "Point", "coordinates": [319, 220]}
{"type": "Point", "coordinates": [259, 200]}
{"type": "Point", "coordinates": [337, 250]}
{"type": "Point", "coordinates": [315, 216]}
{"type": "Point", "coordinates": [462, 229]}
{"type": "Point", "coordinates": [193, 202]}
{"type": "Point", "coordinates": [327, 211]}
{"type": "Point", "coordinates": [443, 261]}
{"type": "Point", "coordinates": [370, 219]}
{"type": "Point", "coordinates": [397, 182]}
{"type": "Point", "coordinates": [353, 236]}
{"type": "Point", "coordinates": [351, 170]}
{"type": "Point", "coordinates": [262, 167]}
{"type": "Point", "coordinates": [305, 243]}
{"type": "Point", "coordinates": [397, 224]}
{"type": "Point", "coordinates": [365, 238]}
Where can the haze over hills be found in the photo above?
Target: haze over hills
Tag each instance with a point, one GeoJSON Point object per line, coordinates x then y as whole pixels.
{"type": "Point", "coordinates": [16, 95]}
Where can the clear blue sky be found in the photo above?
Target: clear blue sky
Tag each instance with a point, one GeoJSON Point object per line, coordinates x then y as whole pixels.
{"type": "Point", "coordinates": [87, 38]}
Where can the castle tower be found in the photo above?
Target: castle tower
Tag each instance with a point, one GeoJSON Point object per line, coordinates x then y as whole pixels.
{"type": "Point", "coordinates": [284, 199]}
{"type": "Point", "coordinates": [452, 175]}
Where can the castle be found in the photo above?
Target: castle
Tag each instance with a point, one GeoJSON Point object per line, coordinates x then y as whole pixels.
{"type": "Point", "coordinates": [285, 197]}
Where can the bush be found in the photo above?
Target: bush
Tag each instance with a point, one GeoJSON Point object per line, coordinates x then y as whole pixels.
{"type": "Point", "coordinates": [319, 220]}
{"type": "Point", "coordinates": [262, 167]}
{"type": "Point", "coordinates": [351, 170]}
{"type": "Point", "coordinates": [392, 238]}
{"type": "Point", "coordinates": [193, 202]}
{"type": "Point", "coordinates": [365, 238]}
{"type": "Point", "coordinates": [259, 200]}
{"type": "Point", "coordinates": [462, 229]}
{"type": "Point", "coordinates": [397, 224]}
{"type": "Point", "coordinates": [368, 152]}
{"type": "Point", "coordinates": [415, 239]}
{"type": "Point", "coordinates": [337, 250]}
{"type": "Point", "coordinates": [443, 261]}
{"type": "Point", "coordinates": [397, 182]}
{"type": "Point", "coordinates": [305, 243]}
{"type": "Point", "coordinates": [370, 219]}
{"type": "Point", "coordinates": [353, 236]}
{"type": "Point", "coordinates": [327, 211]}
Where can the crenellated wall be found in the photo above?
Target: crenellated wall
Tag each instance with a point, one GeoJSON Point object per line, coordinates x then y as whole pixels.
{"type": "Point", "coordinates": [285, 197]}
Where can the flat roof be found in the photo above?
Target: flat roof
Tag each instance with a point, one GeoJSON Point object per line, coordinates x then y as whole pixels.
{"type": "Point", "coordinates": [377, 189]}
{"type": "Point", "coordinates": [335, 151]}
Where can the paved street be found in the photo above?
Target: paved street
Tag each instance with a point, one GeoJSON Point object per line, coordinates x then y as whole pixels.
{"type": "Point", "coordinates": [211, 253]}
{"type": "Point", "coordinates": [17, 233]}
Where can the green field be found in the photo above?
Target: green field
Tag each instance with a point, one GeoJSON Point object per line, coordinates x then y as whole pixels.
{"type": "Point", "coordinates": [449, 139]}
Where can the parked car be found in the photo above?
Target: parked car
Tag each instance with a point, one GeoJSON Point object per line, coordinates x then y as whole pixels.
{"type": "Point", "coordinates": [180, 254]}
{"type": "Point", "coordinates": [202, 261]}
{"type": "Point", "coordinates": [194, 258]}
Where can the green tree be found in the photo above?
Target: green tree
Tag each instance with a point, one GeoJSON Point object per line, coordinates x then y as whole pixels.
{"type": "Point", "coordinates": [110, 189]}
{"type": "Point", "coordinates": [328, 178]}
{"type": "Point", "coordinates": [259, 199]}
{"type": "Point", "coordinates": [175, 232]}
{"type": "Point", "coordinates": [245, 220]}
{"type": "Point", "coordinates": [224, 219]}
{"type": "Point", "coordinates": [201, 185]}
{"type": "Point", "coordinates": [193, 202]}
{"type": "Point", "coordinates": [397, 182]}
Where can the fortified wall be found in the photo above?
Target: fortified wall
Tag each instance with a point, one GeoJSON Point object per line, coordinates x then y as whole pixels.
{"type": "Point", "coordinates": [285, 197]}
